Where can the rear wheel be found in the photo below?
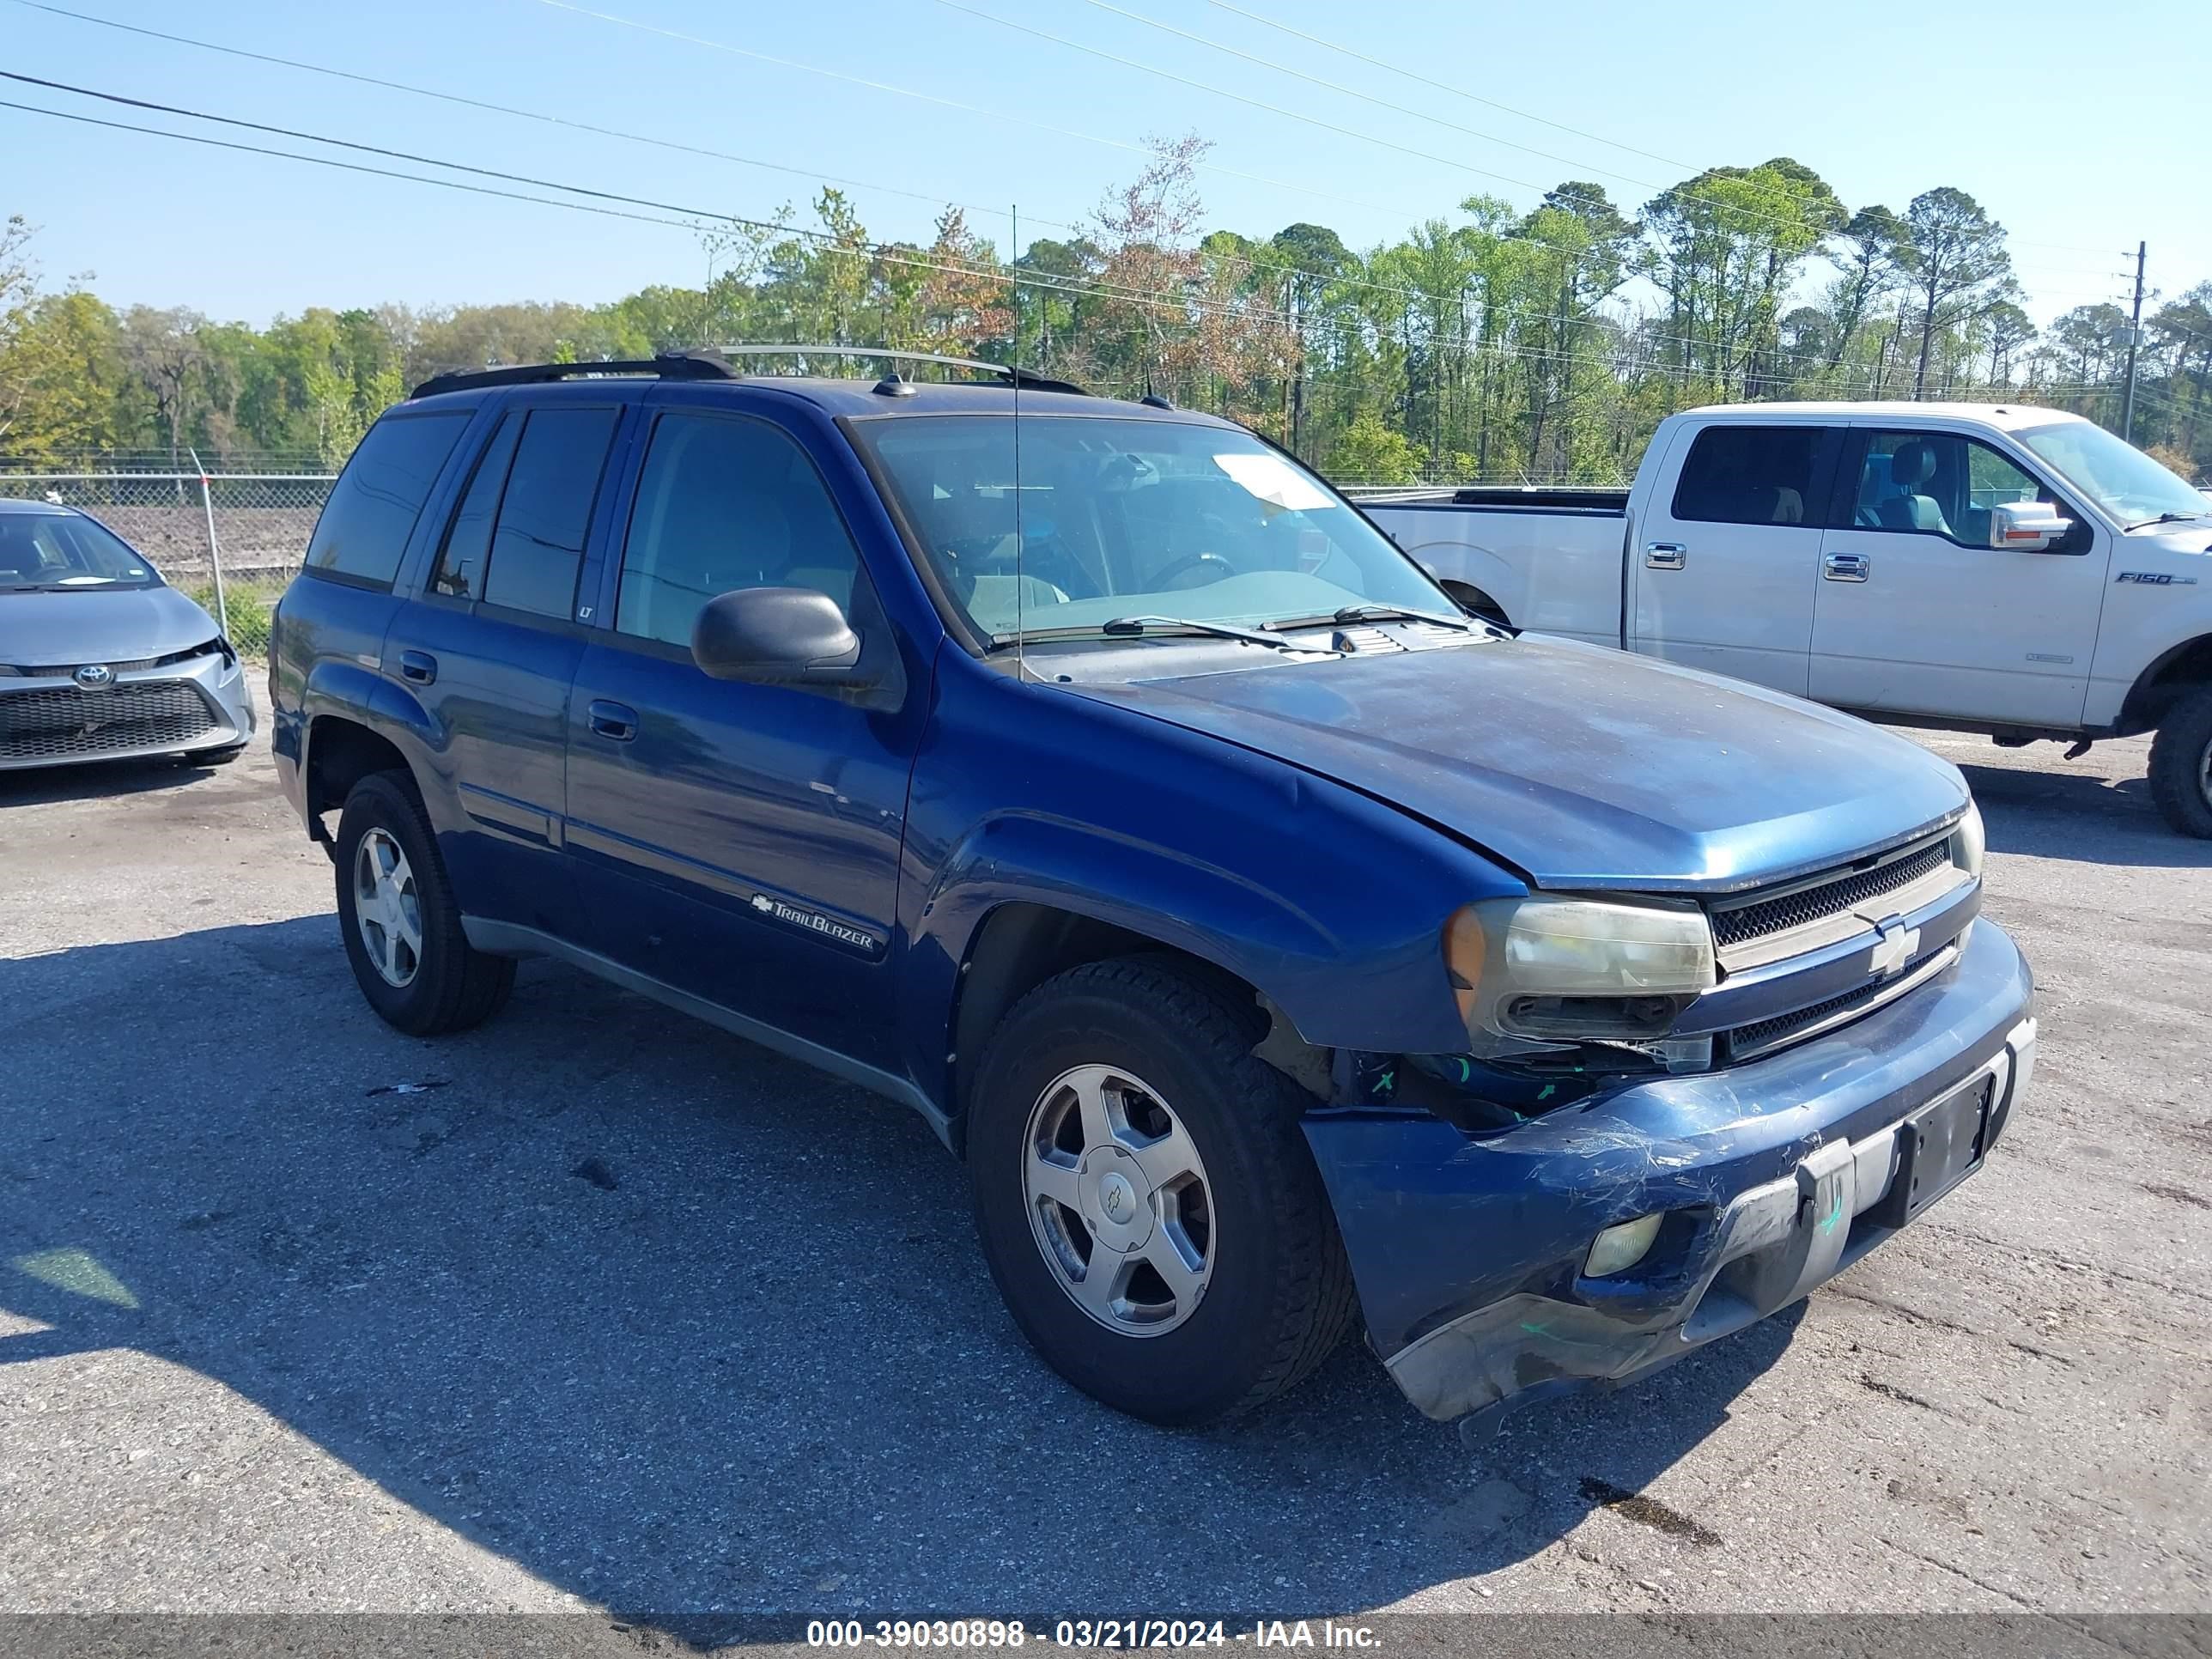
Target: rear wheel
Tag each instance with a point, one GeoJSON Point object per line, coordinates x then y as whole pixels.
{"type": "Point", "coordinates": [1145, 1198]}
{"type": "Point", "coordinates": [401, 927]}
{"type": "Point", "coordinates": [2181, 764]}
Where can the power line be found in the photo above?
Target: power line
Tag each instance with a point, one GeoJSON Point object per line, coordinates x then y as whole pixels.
{"type": "Point", "coordinates": [508, 109]}
{"type": "Point", "coordinates": [1183, 304]}
{"type": "Point", "coordinates": [1459, 92]}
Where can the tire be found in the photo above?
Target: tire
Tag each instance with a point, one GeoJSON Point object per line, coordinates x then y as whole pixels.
{"type": "Point", "coordinates": [1273, 1294]}
{"type": "Point", "coordinates": [435, 983]}
{"type": "Point", "coordinates": [2181, 764]}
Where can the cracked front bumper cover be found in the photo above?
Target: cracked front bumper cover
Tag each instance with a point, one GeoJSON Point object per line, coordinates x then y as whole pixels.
{"type": "Point", "coordinates": [1774, 1177]}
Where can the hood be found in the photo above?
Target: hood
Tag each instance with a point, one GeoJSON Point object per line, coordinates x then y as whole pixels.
{"type": "Point", "coordinates": [1582, 767]}
{"type": "Point", "coordinates": [97, 625]}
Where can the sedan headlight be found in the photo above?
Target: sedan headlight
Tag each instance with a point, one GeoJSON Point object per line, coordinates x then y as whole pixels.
{"type": "Point", "coordinates": [1539, 971]}
{"type": "Point", "coordinates": [1968, 843]}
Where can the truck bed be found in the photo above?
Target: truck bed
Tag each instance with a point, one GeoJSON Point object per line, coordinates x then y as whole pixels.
{"type": "Point", "coordinates": [1530, 498]}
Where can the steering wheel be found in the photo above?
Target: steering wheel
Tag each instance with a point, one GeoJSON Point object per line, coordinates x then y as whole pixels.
{"type": "Point", "coordinates": [1213, 562]}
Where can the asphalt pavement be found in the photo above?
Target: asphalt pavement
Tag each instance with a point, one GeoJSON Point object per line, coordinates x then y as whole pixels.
{"type": "Point", "coordinates": [597, 1308]}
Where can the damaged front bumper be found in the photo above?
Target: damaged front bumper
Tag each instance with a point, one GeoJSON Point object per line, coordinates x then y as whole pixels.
{"type": "Point", "coordinates": [1469, 1248]}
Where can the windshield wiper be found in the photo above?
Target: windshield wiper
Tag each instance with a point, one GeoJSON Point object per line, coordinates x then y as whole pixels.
{"type": "Point", "coordinates": [1373, 613]}
{"type": "Point", "coordinates": [1125, 625]}
{"type": "Point", "coordinates": [2169, 518]}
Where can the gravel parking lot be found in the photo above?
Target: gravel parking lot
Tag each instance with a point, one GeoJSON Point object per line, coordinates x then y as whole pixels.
{"type": "Point", "coordinates": [596, 1306]}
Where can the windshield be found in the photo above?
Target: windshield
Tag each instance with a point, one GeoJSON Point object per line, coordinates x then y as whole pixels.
{"type": "Point", "coordinates": [47, 551]}
{"type": "Point", "coordinates": [1128, 517]}
{"type": "Point", "coordinates": [2120, 477]}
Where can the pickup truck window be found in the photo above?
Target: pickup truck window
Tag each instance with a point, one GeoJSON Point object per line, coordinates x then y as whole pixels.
{"type": "Point", "coordinates": [372, 508]}
{"type": "Point", "coordinates": [539, 545]}
{"type": "Point", "coordinates": [2120, 477]}
{"type": "Point", "coordinates": [1122, 518]}
{"type": "Point", "coordinates": [1751, 475]}
{"type": "Point", "coordinates": [1937, 483]}
{"type": "Point", "coordinates": [727, 502]}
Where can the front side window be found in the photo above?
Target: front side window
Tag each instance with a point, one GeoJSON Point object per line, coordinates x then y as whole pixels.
{"type": "Point", "coordinates": [545, 510]}
{"type": "Point", "coordinates": [372, 510]}
{"type": "Point", "coordinates": [2116, 475]}
{"type": "Point", "coordinates": [1937, 483]}
{"type": "Point", "coordinates": [1750, 475]}
{"type": "Point", "coordinates": [1130, 518]}
{"type": "Point", "coordinates": [42, 550]}
{"type": "Point", "coordinates": [724, 503]}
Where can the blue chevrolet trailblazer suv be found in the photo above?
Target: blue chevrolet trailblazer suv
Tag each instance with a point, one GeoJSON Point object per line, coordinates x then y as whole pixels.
{"type": "Point", "coordinates": [1272, 940]}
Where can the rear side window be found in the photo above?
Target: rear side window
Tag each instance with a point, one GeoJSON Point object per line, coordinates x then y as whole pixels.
{"type": "Point", "coordinates": [538, 546]}
{"type": "Point", "coordinates": [373, 506]}
{"type": "Point", "coordinates": [468, 538]}
{"type": "Point", "coordinates": [1751, 475]}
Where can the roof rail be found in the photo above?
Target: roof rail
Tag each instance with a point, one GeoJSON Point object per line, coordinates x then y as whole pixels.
{"type": "Point", "coordinates": [669, 364]}
{"type": "Point", "coordinates": [1012, 376]}
{"type": "Point", "coordinates": [714, 364]}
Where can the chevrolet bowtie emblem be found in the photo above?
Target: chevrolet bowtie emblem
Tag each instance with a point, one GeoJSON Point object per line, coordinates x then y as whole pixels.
{"type": "Point", "coordinates": [1896, 946]}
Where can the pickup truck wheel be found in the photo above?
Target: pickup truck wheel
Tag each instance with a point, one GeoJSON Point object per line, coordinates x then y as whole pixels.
{"type": "Point", "coordinates": [402, 928]}
{"type": "Point", "coordinates": [2181, 764]}
{"type": "Point", "coordinates": [1145, 1198]}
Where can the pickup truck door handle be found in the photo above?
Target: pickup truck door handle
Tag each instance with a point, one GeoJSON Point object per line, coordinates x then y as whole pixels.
{"type": "Point", "coordinates": [1665, 556]}
{"type": "Point", "coordinates": [612, 719]}
{"type": "Point", "coordinates": [1846, 567]}
{"type": "Point", "coordinates": [419, 666]}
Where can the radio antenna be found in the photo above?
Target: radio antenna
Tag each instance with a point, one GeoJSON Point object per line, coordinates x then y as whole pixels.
{"type": "Point", "coordinates": [1013, 274]}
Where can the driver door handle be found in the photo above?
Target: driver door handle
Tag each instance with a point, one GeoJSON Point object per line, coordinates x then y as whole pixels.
{"type": "Point", "coordinates": [1665, 556]}
{"type": "Point", "coordinates": [1846, 567]}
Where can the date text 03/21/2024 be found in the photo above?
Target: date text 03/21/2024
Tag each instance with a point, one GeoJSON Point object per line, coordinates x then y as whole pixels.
{"type": "Point", "coordinates": [1110, 1634]}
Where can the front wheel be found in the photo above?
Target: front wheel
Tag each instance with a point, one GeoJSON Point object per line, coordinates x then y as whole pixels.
{"type": "Point", "coordinates": [1145, 1198]}
{"type": "Point", "coordinates": [402, 928]}
{"type": "Point", "coordinates": [2181, 764]}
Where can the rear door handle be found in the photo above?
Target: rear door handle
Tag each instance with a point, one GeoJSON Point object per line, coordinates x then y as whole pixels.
{"type": "Point", "coordinates": [615, 720]}
{"type": "Point", "coordinates": [419, 666]}
{"type": "Point", "coordinates": [1665, 556]}
{"type": "Point", "coordinates": [1846, 567]}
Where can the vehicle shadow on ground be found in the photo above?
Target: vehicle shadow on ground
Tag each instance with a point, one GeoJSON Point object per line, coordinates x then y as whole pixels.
{"type": "Point", "coordinates": [2068, 815]}
{"type": "Point", "coordinates": [684, 1328]}
{"type": "Point", "coordinates": [97, 781]}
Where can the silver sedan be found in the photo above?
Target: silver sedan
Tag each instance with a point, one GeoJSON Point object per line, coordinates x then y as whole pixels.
{"type": "Point", "coordinates": [100, 658]}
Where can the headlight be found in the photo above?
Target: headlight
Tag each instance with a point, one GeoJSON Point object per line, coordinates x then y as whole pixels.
{"type": "Point", "coordinates": [1967, 842]}
{"type": "Point", "coordinates": [1539, 971]}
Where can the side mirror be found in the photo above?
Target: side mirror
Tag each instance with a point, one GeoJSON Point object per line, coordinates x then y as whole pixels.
{"type": "Point", "coordinates": [777, 636]}
{"type": "Point", "coordinates": [2027, 526]}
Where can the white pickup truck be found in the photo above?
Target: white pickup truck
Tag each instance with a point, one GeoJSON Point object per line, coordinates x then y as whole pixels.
{"type": "Point", "coordinates": [2015, 571]}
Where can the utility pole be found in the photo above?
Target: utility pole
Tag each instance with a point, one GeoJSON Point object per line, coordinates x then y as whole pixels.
{"type": "Point", "coordinates": [2135, 340]}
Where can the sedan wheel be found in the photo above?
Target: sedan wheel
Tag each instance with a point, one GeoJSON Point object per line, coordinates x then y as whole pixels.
{"type": "Point", "coordinates": [388, 909]}
{"type": "Point", "coordinates": [1118, 1201]}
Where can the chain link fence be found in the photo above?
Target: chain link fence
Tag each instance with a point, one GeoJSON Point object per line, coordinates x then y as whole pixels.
{"type": "Point", "coordinates": [233, 540]}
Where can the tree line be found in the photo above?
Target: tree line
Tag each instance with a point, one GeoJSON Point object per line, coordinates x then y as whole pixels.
{"type": "Point", "coordinates": [1495, 344]}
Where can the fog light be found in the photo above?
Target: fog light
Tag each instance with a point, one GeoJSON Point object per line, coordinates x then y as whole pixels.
{"type": "Point", "coordinates": [1618, 1248]}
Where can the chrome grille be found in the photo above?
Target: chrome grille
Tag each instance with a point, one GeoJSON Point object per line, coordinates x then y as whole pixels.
{"type": "Point", "coordinates": [1758, 918]}
{"type": "Point", "coordinates": [1766, 1034]}
{"type": "Point", "coordinates": [67, 723]}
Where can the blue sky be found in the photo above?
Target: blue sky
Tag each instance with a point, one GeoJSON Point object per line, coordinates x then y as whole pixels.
{"type": "Point", "coordinates": [2076, 128]}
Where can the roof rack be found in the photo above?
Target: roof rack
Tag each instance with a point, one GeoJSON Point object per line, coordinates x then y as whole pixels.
{"type": "Point", "coordinates": [714, 364]}
{"type": "Point", "coordinates": [669, 364]}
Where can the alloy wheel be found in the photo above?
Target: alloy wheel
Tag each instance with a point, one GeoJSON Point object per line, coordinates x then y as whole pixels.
{"type": "Point", "coordinates": [1118, 1201]}
{"type": "Point", "coordinates": [387, 910]}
